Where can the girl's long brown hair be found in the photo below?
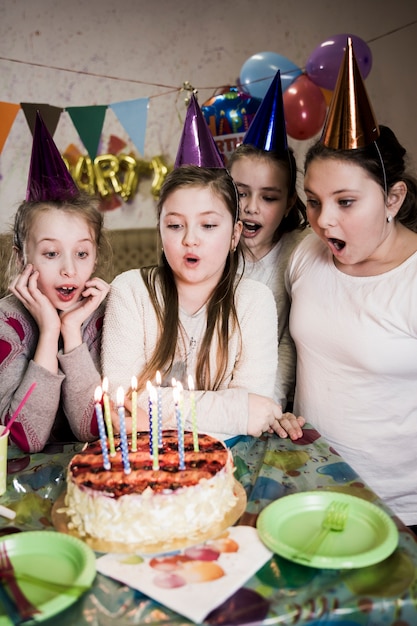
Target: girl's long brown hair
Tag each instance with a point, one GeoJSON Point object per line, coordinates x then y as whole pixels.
{"type": "Point", "coordinates": [222, 318]}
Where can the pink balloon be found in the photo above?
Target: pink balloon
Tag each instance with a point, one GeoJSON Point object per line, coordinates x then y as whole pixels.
{"type": "Point", "coordinates": [324, 62]}
{"type": "Point", "coordinates": [304, 108]}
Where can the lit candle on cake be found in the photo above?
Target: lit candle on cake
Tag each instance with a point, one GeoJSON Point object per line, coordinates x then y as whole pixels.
{"type": "Point", "coordinates": [120, 397]}
{"type": "Point", "coordinates": [100, 421]}
{"type": "Point", "coordinates": [158, 386]}
{"type": "Point", "coordinates": [150, 415]}
{"type": "Point", "coordinates": [193, 413]}
{"type": "Point", "coordinates": [153, 434]}
{"type": "Point", "coordinates": [107, 415]}
{"type": "Point", "coordinates": [180, 432]}
{"type": "Point", "coordinates": [181, 403]}
{"type": "Point", "coordinates": [134, 413]}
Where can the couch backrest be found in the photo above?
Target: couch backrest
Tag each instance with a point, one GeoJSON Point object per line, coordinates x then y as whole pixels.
{"type": "Point", "coordinates": [131, 248]}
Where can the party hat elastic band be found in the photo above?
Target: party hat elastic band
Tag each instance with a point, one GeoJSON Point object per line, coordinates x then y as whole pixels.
{"type": "Point", "coordinates": [351, 121]}
{"type": "Point", "coordinates": [267, 130]}
{"type": "Point", "coordinates": [49, 178]}
{"type": "Point", "coordinates": [197, 145]}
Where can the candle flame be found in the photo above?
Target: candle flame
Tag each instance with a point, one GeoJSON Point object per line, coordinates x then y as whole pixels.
{"type": "Point", "coordinates": [176, 394]}
{"type": "Point", "coordinates": [190, 383]}
{"type": "Point", "coordinates": [98, 394]}
{"type": "Point", "coordinates": [120, 396]}
{"type": "Point", "coordinates": [134, 383]}
{"type": "Point", "coordinates": [180, 388]}
{"type": "Point", "coordinates": [158, 378]}
{"type": "Point", "coordinates": [105, 384]}
{"type": "Point", "coordinates": [151, 391]}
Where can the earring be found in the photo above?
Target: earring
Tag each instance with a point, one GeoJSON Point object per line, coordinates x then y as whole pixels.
{"type": "Point", "coordinates": [389, 219]}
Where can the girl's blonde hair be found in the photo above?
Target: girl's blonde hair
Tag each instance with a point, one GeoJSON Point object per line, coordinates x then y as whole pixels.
{"type": "Point", "coordinates": [82, 205]}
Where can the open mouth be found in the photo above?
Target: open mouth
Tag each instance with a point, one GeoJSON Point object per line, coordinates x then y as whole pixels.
{"type": "Point", "coordinates": [251, 227]}
{"type": "Point", "coordinates": [338, 244]}
{"type": "Point", "coordinates": [65, 291]}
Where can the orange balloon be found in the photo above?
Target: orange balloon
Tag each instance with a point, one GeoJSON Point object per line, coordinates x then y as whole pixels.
{"type": "Point", "coordinates": [327, 95]}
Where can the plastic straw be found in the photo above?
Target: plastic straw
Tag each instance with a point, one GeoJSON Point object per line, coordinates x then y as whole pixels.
{"type": "Point", "coordinates": [19, 408]}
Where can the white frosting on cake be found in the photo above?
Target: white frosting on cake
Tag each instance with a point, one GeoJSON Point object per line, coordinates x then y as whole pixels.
{"type": "Point", "coordinates": [151, 516]}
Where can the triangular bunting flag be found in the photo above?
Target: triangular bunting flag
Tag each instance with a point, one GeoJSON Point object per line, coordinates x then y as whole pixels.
{"type": "Point", "coordinates": [133, 114]}
{"type": "Point", "coordinates": [50, 115]}
{"type": "Point", "coordinates": [89, 124]}
{"type": "Point", "coordinates": [8, 112]}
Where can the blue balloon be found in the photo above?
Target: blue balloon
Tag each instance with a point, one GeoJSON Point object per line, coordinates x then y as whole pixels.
{"type": "Point", "coordinates": [258, 72]}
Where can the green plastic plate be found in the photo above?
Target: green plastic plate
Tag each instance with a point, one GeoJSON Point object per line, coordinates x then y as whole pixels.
{"type": "Point", "coordinates": [52, 569]}
{"type": "Point", "coordinates": [288, 525]}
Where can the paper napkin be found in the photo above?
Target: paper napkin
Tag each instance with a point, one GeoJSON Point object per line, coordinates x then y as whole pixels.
{"type": "Point", "coordinates": [196, 580]}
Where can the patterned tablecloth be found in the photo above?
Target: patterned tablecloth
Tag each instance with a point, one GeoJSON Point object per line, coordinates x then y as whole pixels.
{"type": "Point", "coordinates": [282, 592]}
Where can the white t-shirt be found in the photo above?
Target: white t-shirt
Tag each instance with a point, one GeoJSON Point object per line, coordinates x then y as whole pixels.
{"type": "Point", "coordinates": [356, 341]}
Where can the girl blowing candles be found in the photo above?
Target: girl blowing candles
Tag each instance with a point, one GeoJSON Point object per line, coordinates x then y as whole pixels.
{"type": "Point", "coordinates": [191, 314]}
{"type": "Point", "coordinates": [273, 216]}
{"type": "Point", "coordinates": [50, 324]}
{"type": "Point", "coordinates": [354, 297]}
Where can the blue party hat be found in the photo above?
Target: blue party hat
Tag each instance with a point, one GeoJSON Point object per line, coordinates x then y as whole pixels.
{"type": "Point", "coordinates": [197, 146]}
{"type": "Point", "coordinates": [267, 130]}
{"type": "Point", "coordinates": [49, 178]}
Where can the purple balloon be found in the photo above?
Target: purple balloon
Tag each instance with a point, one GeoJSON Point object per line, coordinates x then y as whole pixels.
{"type": "Point", "coordinates": [324, 62]}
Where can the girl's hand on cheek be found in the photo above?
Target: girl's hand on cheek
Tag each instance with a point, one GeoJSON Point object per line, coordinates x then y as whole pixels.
{"type": "Point", "coordinates": [25, 288]}
{"type": "Point", "coordinates": [93, 295]}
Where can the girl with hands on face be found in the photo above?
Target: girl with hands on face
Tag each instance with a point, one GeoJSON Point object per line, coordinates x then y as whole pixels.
{"type": "Point", "coordinates": [50, 323]}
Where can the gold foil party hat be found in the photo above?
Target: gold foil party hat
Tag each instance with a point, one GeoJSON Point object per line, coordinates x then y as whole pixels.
{"type": "Point", "coordinates": [350, 121]}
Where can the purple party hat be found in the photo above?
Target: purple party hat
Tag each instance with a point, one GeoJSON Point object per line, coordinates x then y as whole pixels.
{"type": "Point", "coordinates": [49, 178]}
{"type": "Point", "coordinates": [197, 146]}
{"type": "Point", "coordinates": [267, 130]}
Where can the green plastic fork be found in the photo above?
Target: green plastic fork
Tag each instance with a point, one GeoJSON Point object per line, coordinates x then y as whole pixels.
{"type": "Point", "coordinates": [334, 520]}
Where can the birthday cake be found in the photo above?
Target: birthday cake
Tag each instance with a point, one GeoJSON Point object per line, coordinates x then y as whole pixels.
{"type": "Point", "coordinates": [147, 505]}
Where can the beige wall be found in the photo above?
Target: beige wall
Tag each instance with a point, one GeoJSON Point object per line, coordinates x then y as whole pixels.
{"type": "Point", "coordinates": [167, 42]}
